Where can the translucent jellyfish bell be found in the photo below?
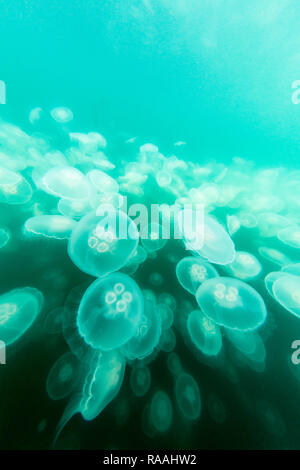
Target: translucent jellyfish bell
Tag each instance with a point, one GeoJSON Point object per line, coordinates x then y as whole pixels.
{"type": "Point", "coordinates": [50, 226]}
{"type": "Point", "coordinates": [66, 182]}
{"type": "Point", "coordinates": [188, 396]}
{"type": "Point", "coordinates": [286, 290]}
{"type": "Point", "coordinates": [245, 266]}
{"type": "Point", "coordinates": [152, 237]}
{"type": "Point", "coordinates": [192, 271]}
{"type": "Point", "coordinates": [147, 336]}
{"type": "Point", "coordinates": [61, 115]}
{"type": "Point", "coordinates": [63, 377]}
{"type": "Point", "coordinates": [204, 333]}
{"type": "Point", "coordinates": [4, 237]}
{"type": "Point", "coordinates": [231, 303]}
{"type": "Point", "coordinates": [98, 247]}
{"type": "Point", "coordinates": [274, 256]}
{"type": "Point", "coordinates": [161, 411]}
{"type": "Point", "coordinates": [110, 312]}
{"type": "Point", "coordinates": [18, 310]}
{"type": "Point", "coordinates": [103, 182]}
{"type": "Point", "coordinates": [290, 236]}
{"type": "Point", "coordinates": [245, 342]}
{"type": "Point", "coordinates": [14, 188]}
{"type": "Point", "coordinates": [140, 380]}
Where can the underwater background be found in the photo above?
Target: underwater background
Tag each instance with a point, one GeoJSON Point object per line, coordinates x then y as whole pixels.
{"type": "Point", "coordinates": [211, 82]}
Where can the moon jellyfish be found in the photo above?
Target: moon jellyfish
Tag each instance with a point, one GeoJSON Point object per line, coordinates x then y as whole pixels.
{"type": "Point", "coordinates": [204, 333]}
{"type": "Point", "coordinates": [233, 224]}
{"type": "Point", "coordinates": [18, 310]}
{"type": "Point", "coordinates": [290, 236]}
{"type": "Point", "coordinates": [273, 255]}
{"type": "Point", "coordinates": [97, 249]}
{"type": "Point", "coordinates": [50, 226]}
{"type": "Point", "coordinates": [187, 395]}
{"type": "Point", "coordinates": [110, 312]}
{"type": "Point", "coordinates": [216, 409]}
{"type": "Point", "coordinates": [140, 380]}
{"type": "Point", "coordinates": [270, 223]}
{"type": "Point", "coordinates": [286, 290]}
{"type": "Point", "coordinates": [103, 182]}
{"type": "Point", "coordinates": [61, 115]}
{"type": "Point", "coordinates": [156, 279]}
{"type": "Point", "coordinates": [161, 411]}
{"type": "Point", "coordinates": [74, 209]}
{"type": "Point", "coordinates": [163, 178]}
{"type": "Point", "coordinates": [14, 188]}
{"type": "Point", "coordinates": [192, 271]}
{"type": "Point", "coordinates": [166, 315]}
{"type": "Point", "coordinates": [167, 341]}
{"type": "Point", "coordinates": [66, 182]}
{"type": "Point", "coordinates": [63, 377]}
{"type": "Point", "coordinates": [245, 342]}
{"type": "Point", "coordinates": [231, 303]}
{"type": "Point", "coordinates": [167, 299]}
{"type": "Point", "coordinates": [147, 335]}
{"type": "Point", "coordinates": [245, 266]}
{"type": "Point", "coordinates": [174, 363]}
{"type": "Point", "coordinates": [4, 237]}
{"type": "Point", "coordinates": [152, 237]}
{"type": "Point", "coordinates": [271, 278]}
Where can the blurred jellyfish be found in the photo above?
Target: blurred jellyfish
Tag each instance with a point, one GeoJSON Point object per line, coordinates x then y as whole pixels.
{"type": "Point", "coordinates": [152, 237]}
{"type": "Point", "coordinates": [245, 342]}
{"type": "Point", "coordinates": [192, 271]}
{"type": "Point", "coordinates": [231, 303]}
{"type": "Point", "coordinates": [35, 115]}
{"type": "Point", "coordinates": [110, 312]}
{"type": "Point", "coordinates": [245, 266]}
{"type": "Point", "coordinates": [216, 408]}
{"type": "Point", "coordinates": [161, 411]}
{"type": "Point", "coordinates": [167, 341]}
{"type": "Point", "coordinates": [233, 224]}
{"type": "Point", "coordinates": [286, 290]}
{"type": "Point", "coordinates": [166, 315]}
{"type": "Point", "coordinates": [18, 310]}
{"type": "Point", "coordinates": [174, 363]}
{"type": "Point", "coordinates": [274, 256]}
{"type": "Point", "coordinates": [156, 279]}
{"type": "Point", "coordinates": [4, 237]}
{"type": "Point", "coordinates": [140, 380]}
{"type": "Point", "coordinates": [49, 226]}
{"type": "Point", "coordinates": [204, 333]}
{"type": "Point", "coordinates": [147, 335]}
{"type": "Point", "coordinates": [100, 245]}
{"type": "Point", "coordinates": [61, 115]}
{"type": "Point", "coordinates": [163, 178]}
{"type": "Point", "coordinates": [14, 188]}
{"type": "Point", "coordinates": [66, 182]}
{"type": "Point", "coordinates": [290, 236]}
{"type": "Point", "coordinates": [187, 395]}
{"type": "Point", "coordinates": [63, 377]}
{"type": "Point", "coordinates": [74, 209]}
{"type": "Point", "coordinates": [103, 182]}
{"type": "Point", "coordinates": [167, 299]}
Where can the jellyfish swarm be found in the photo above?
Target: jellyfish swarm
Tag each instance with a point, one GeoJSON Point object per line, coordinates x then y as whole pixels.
{"type": "Point", "coordinates": [188, 396]}
{"type": "Point", "coordinates": [147, 335]}
{"type": "Point", "coordinates": [192, 271]}
{"type": "Point", "coordinates": [231, 303]}
{"type": "Point", "coordinates": [110, 312]}
{"type": "Point", "coordinates": [204, 333]}
{"type": "Point", "coordinates": [18, 310]}
{"type": "Point", "coordinates": [96, 245]}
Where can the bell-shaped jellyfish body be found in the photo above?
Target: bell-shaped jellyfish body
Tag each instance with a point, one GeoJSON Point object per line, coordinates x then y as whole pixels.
{"type": "Point", "coordinates": [102, 244]}
{"type": "Point", "coordinates": [245, 266]}
{"type": "Point", "coordinates": [102, 383]}
{"type": "Point", "coordinates": [147, 335]}
{"type": "Point", "coordinates": [63, 377]}
{"type": "Point", "coordinates": [245, 342]}
{"type": "Point", "coordinates": [274, 256]}
{"type": "Point", "coordinates": [204, 333]}
{"type": "Point", "coordinates": [140, 380]}
{"type": "Point", "coordinates": [290, 236]}
{"type": "Point", "coordinates": [286, 290]}
{"type": "Point", "coordinates": [167, 341]}
{"type": "Point", "coordinates": [61, 115]}
{"type": "Point", "coordinates": [192, 271]}
{"type": "Point", "coordinates": [156, 279]}
{"type": "Point", "coordinates": [153, 237]}
{"type": "Point", "coordinates": [110, 312]}
{"type": "Point", "coordinates": [49, 226]}
{"type": "Point", "coordinates": [271, 278]}
{"type": "Point", "coordinates": [292, 269]}
{"type": "Point", "coordinates": [231, 303]}
{"type": "Point", "coordinates": [75, 209]}
{"type": "Point", "coordinates": [216, 408]}
{"type": "Point", "coordinates": [167, 299]}
{"type": "Point", "coordinates": [233, 224]}
{"type": "Point", "coordinates": [14, 188]}
{"type": "Point", "coordinates": [174, 363]}
{"type": "Point", "coordinates": [4, 237]}
{"type": "Point", "coordinates": [188, 397]}
{"type": "Point", "coordinates": [166, 315]}
{"type": "Point", "coordinates": [270, 223]}
{"type": "Point", "coordinates": [163, 178]}
{"type": "Point", "coordinates": [161, 411]}
{"type": "Point", "coordinates": [18, 310]}
{"type": "Point", "coordinates": [206, 237]}
{"type": "Point", "coordinates": [103, 182]}
{"type": "Point", "coordinates": [66, 182]}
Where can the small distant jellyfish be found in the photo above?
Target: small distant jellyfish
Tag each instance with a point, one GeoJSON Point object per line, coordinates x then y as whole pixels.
{"type": "Point", "coordinates": [147, 335]}
{"type": "Point", "coordinates": [161, 411]}
{"type": "Point", "coordinates": [18, 311]}
{"type": "Point", "coordinates": [4, 237]}
{"type": "Point", "coordinates": [35, 115]}
{"type": "Point", "coordinates": [233, 224]}
{"type": "Point", "coordinates": [163, 178]}
{"type": "Point", "coordinates": [245, 266]}
{"type": "Point", "coordinates": [191, 272]}
{"type": "Point", "coordinates": [167, 299]}
{"type": "Point", "coordinates": [49, 226]}
{"type": "Point", "coordinates": [290, 236]}
{"type": "Point", "coordinates": [110, 312]}
{"type": "Point", "coordinates": [166, 315]}
{"type": "Point", "coordinates": [274, 256]}
{"type": "Point", "coordinates": [188, 396]}
{"type": "Point", "coordinates": [156, 279]}
{"type": "Point", "coordinates": [286, 290]}
{"type": "Point", "coordinates": [101, 244]}
{"type": "Point", "coordinates": [63, 377]}
{"type": "Point", "coordinates": [103, 182]}
{"type": "Point", "coordinates": [102, 383]}
{"type": "Point", "coordinates": [14, 188]}
{"type": "Point", "coordinates": [152, 237]}
{"type": "Point", "coordinates": [66, 182]}
{"type": "Point", "coordinates": [174, 363]}
{"type": "Point", "coordinates": [140, 380]}
{"type": "Point", "coordinates": [204, 333]}
{"type": "Point", "coordinates": [74, 209]}
{"type": "Point", "coordinates": [231, 303]}
{"type": "Point", "coordinates": [62, 114]}
{"type": "Point", "coordinates": [216, 409]}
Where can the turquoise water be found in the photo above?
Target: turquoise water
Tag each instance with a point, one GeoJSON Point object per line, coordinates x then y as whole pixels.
{"type": "Point", "coordinates": [211, 83]}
